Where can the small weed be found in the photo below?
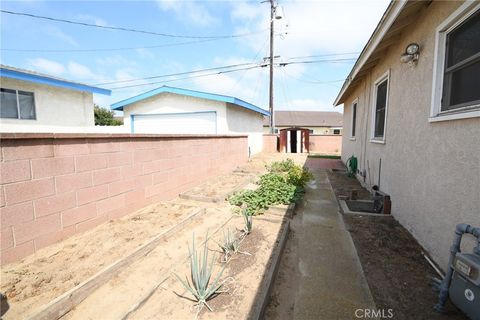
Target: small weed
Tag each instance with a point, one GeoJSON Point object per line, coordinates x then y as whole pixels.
{"type": "Point", "coordinates": [230, 245]}
{"type": "Point", "coordinates": [248, 219]}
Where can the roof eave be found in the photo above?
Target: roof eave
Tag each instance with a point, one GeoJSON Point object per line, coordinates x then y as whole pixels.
{"type": "Point", "coordinates": [394, 9]}
{"type": "Point", "coordinates": [197, 94]}
{"type": "Point", "coordinates": [18, 75]}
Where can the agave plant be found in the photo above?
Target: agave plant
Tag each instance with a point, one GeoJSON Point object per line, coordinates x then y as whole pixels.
{"type": "Point", "coordinates": [201, 286]}
{"type": "Point", "coordinates": [230, 244]}
{"type": "Point", "coordinates": [248, 219]}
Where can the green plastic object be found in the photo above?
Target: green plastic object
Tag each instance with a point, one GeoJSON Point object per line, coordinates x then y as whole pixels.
{"type": "Point", "coordinates": [352, 166]}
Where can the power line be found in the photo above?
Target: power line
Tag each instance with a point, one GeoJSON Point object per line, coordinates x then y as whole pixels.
{"type": "Point", "coordinates": [259, 64]}
{"type": "Point", "coordinates": [185, 78]}
{"type": "Point", "coordinates": [315, 81]}
{"type": "Point", "coordinates": [282, 64]}
{"type": "Point", "coordinates": [125, 28]}
{"type": "Point", "coordinates": [325, 55]}
{"type": "Point", "coordinates": [179, 73]}
{"type": "Point", "coordinates": [254, 58]}
{"type": "Point", "coordinates": [107, 49]}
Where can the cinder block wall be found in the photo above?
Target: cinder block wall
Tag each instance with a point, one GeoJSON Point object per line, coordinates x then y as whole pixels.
{"type": "Point", "coordinates": [326, 144]}
{"type": "Point", "coordinates": [270, 143]}
{"type": "Point", "coordinates": [53, 186]}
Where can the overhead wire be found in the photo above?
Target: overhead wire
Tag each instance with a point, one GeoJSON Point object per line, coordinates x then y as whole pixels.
{"type": "Point", "coordinates": [258, 63]}
{"type": "Point", "coordinates": [325, 55]}
{"type": "Point", "coordinates": [178, 73]}
{"type": "Point", "coordinates": [185, 78]}
{"type": "Point", "coordinates": [244, 72]}
{"type": "Point", "coordinates": [108, 49]}
{"type": "Point", "coordinates": [126, 29]}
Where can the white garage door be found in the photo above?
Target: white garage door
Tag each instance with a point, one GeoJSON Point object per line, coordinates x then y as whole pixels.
{"type": "Point", "coordinates": [176, 123]}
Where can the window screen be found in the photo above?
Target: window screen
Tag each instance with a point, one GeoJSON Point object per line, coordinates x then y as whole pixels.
{"type": "Point", "coordinates": [380, 108]}
{"type": "Point", "coordinates": [16, 104]}
{"type": "Point", "coordinates": [8, 104]}
{"type": "Point", "coordinates": [462, 65]}
{"type": "Point", "coordinates": [26, 105]}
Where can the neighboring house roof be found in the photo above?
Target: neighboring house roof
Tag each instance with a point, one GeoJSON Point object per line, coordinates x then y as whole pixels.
{"type": "Point", "coordinates": [197, 94]}
{"type": "Point", "coordinates": [399, 15]}
{"type": "Point", "coordinates": [31, 76]}
{"type": "Point", "coordinates": [306, 119]}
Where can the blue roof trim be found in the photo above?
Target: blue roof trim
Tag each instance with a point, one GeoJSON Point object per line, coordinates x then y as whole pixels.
{"type": "Point", "coordinates": [14, 74]}
{"type": "Point", "coordinates": [192, 93]}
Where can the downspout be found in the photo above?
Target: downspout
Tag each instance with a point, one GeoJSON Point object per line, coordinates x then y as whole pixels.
{"type": "Point", "coordinates": [460, 230]}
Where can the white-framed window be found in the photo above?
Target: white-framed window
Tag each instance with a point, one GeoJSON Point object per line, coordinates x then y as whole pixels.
{"type": "Point", "coordinates": [456, 73]}
{"type": "Point", "coordinates": [379, 108]}
{"type": "Point", "coordinates": [353, 126]}
{"type": "Point", "coordinates": [17, 104]}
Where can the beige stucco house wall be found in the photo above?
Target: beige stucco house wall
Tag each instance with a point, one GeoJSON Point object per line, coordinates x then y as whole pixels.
{"type": "Point", "coordinates": [53, 105]}
{"type": "Point", "coordinates": [226, 118]}
{"type": "Point", "coordinates": [60, 105]}
{"type": "Point", "coordinates": [430, 168]}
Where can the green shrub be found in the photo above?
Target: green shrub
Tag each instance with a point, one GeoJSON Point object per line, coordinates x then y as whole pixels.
{"type": "Point", "coordinates": [298, 176]}
{"type": "Point", "coordinates": [275, 189]}
{"type": "Point", "coordinates": [284, 184]}
{"type": "Point", "coordinates": [253, 201]}
{"type": "Point", "coordinates": [281, 166]}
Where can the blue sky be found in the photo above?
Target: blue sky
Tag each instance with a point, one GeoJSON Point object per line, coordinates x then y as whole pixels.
{"type": "Point", "coordinates": [322, 29]}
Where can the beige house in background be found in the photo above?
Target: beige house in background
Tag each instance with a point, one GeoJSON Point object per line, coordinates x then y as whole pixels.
{"type": "Point", "coordinates": [418, 113]}
{"type": "Point", "coordinates": [35, 102]}
{"type": "Point", "coordinates": [317, 122]}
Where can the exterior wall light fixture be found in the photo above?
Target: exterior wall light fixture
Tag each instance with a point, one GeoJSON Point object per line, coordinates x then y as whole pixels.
{"type": "Point", "coordinates": [412, 52]}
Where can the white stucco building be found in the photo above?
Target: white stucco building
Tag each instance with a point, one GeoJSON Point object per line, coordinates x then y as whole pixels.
{"type": "Point", "coordinates": [412, 117]}
{"type": "Point", "coordinates": [34, 102]}
{"type": "Point", "coordinates": [168, 110]}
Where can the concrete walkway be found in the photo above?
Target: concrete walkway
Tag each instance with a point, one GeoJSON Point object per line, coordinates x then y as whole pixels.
{"type": "Point", "coordinates": [320, 275]}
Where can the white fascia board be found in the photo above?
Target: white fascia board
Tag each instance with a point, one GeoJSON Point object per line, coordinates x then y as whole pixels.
{"type": "Point", "coordinates": [389, 17]}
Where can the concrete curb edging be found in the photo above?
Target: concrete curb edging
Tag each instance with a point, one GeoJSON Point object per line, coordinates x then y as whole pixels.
{"type": "Point", "coordinates": [345, 210]}
{"type": "Point", "coordinates": [290, 209]}
{"type": "Point", "coordinates": [61, 305]}
{"type": "Point", "coordinates": [258, 309]}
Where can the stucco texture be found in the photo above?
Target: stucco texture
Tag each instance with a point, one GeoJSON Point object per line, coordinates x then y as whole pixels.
{"type": "Point", "coordinates": [430, 169]}
{"type": "Point", "coordinates": [231, 119]}
{"type": "Point", "coordinates": [54, 106]}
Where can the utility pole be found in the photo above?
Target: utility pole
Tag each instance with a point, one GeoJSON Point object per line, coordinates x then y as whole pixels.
{"type": "Point", "coordinates": [270, 104]}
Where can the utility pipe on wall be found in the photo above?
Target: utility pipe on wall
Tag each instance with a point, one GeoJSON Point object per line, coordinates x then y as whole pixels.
{"type": "Point", "coordinates": [460, 230]}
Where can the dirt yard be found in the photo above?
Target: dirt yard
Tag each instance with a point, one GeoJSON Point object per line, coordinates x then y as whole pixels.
{"type": "Point", "coordinates": [398, 275]}
{"type": "Point", "coordinates": [243, 275]}
{"type": "Point", "coordinates": [39, 278]}
{"type": "Point", "coordinates": [219, 187]}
